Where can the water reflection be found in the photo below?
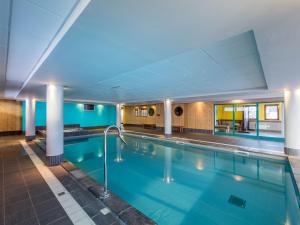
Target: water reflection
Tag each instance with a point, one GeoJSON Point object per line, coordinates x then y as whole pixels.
{"type": "Point", "coordinates": [119, 148]}
{"type": "Point", "coordinates": [238, 178]}
{"type": "Point", "coordinates": [168, 166]}
{"type": "Point", "coordinates": [241, 167]}
{"type": "Point", "coordinates": [146, 148]}
{"type": "Point", "coordinates": [199, 165]}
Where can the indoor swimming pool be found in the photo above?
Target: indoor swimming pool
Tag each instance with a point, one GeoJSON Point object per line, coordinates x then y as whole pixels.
{"type": "Point", "coordinates": [175, 183]}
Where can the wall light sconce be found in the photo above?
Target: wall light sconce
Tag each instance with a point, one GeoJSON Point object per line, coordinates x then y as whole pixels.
{"type": "Point", "coordinates": [237, 101]}
{"type": "Point", "coordinates": [80, 106]}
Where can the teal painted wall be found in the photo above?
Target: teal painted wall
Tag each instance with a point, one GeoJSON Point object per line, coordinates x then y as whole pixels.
{"type": "Point", "coordinates": [75, 114]}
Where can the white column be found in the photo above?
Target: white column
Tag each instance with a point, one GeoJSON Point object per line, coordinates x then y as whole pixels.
{"type": "Point", "coordinates": [30, 119]}
{"type": "Point", "coordinates": [292, 121]}
{"type": "Point", "coordinates": [168, 117]}
{"type": "Point", "coordinates": [118, 114]}
{"type": "Point", "coordinates": [55, 124]}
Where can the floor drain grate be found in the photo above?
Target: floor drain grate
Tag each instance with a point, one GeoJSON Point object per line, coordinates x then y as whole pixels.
{"type": "Point", "coordinates": [61, 193]}
{"type": "Point", "coordinates": [239, 202]}
{"type": "Point", "coordinates": [105, 211]}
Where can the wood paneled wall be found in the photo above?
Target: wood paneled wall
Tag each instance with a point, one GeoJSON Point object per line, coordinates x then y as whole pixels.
{"type": "Point", "coordinates": [200, 115]}
{"type": "Point", "coordinates": [130, 118]}
{"type": "Point", "coordinates": [197, 115]}
{"type": "Point", "coordinates": [159, 115]}
{"type": "Point", "coordinates": [10, 116]}
{"type": "Point", "coordinates": [178, 120]}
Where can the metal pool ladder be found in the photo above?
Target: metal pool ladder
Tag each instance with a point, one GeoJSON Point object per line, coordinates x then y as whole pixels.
{"type": "Point", "coordinates": [105, 193]}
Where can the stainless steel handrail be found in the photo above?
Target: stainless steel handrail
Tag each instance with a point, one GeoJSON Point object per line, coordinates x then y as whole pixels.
{"type": "Point", "coordinates": [105, 193]}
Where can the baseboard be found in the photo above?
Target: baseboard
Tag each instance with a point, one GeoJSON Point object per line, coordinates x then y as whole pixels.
{"type": "Point", "coordinates": [292, 151]}
{"type": "Point", "coordinates": [55, 160]}
{"type": "Point", "coordinates": [201, 131]}
{"type": "Point", "coordinates": [134, 125]}
{"type": "Point", "coordinates": [30, 138]}
{"type": "Point", "coordinates": [185, 130]}
{"type": "Point", "coordinates": [8, 133]}
{"type": "Point", "coordinates": [95, 127]}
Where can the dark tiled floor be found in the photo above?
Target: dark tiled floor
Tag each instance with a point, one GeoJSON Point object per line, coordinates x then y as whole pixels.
{"type": "Point", "coordinates": [85, 199]}
{"type": "Point", "coordinates": [25, 196]}
{"type": "Point", "coordinates": [240, 141]}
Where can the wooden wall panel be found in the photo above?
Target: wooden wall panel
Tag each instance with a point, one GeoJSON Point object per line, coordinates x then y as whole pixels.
{"type": "Point", "coordinates": [159, 115]}
{"type": "Point", "coordinates": [200, 115]}
{"type": "Point", "coordinates": [197, 115]}
{"type": "Point", "coordinates": [178, 120]}
{"type": "Point", "coordinates": [10, 115]}
{"type": "Point", "coordinates": [130, 118]}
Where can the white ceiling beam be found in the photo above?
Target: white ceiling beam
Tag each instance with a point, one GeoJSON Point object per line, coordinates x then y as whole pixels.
{"type": "Point", "coordinates": [74, 14]}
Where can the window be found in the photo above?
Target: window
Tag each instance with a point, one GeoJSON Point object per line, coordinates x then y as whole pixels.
{"type": "Point", "coordinates": [252, 112]}
{"type": "Point", "coordinates": [271, 112]}
{"type": "Point", "coordinates": [89, 107]}
{"type": "Point", "coordinates": [141, 112]}
{"type": "Point", "coordinates": [151, 111]}
{"type": "Point", "coordinates": [144, 112]}
{"type": "Point", "coordinates": [228, 109]}
{"type": "Point", "coordinates": [178, 111]}
{"type": "Point", "coordinates": [136, 111]}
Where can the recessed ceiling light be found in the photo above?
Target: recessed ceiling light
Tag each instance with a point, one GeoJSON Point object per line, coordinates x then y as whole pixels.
{"type": "Point", "coordinates": [237, 101]}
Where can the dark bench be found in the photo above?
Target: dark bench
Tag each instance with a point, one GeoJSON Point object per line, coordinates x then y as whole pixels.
{"type": "Point", "coordinates": [178, 129]}
{"type": "Point", "coordinates": [149, 126]}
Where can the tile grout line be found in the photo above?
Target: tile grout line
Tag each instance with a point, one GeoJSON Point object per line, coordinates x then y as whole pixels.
{"type": "Point", "coordinates": [69, 204]}
{"type": "Point", "coordinates": [25, 183]}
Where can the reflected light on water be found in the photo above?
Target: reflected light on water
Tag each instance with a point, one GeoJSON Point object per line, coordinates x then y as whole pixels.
{"type": "Point", "coordinates": [238, 178]}
{"type": "Point", "coordinates": [118, 159]}
{"type": "Point", "coordinates": [287, 222]}
{"type": "Point", "coordinates": [199, 165]}
{"type": "Point", "coordinates": [168, 179]}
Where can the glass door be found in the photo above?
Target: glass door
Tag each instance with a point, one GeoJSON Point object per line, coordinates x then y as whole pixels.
{"type": "Point", "coordinates": [260, 120]}
{"type": "Point", "coordinates": [245, 119]}
{"type": "Point", "coordinates": [271, 123]}
{"type": "Point", "coordinates": [224, 119]}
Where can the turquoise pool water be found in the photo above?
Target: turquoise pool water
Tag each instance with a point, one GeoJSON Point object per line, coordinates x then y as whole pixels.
{"type": "Point", "coordinates": [180, 184]}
